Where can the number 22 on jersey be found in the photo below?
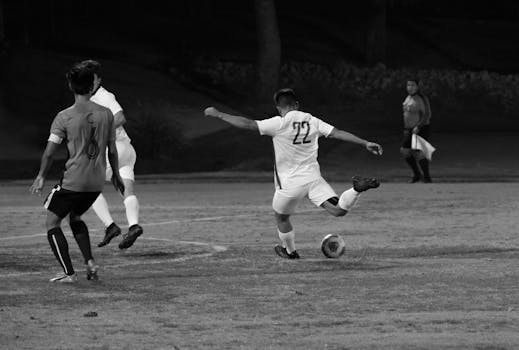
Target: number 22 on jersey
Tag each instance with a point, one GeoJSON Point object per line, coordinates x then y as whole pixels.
{"type": "Point", "coordinates": [302, 132]}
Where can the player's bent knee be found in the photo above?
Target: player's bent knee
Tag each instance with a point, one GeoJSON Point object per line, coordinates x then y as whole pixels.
{"type": "Point", "coordinates": [281, 217]}
{"type": "Point", "coordinates": [74, 217]}
{"type": "Point", "coordinates": [52, 221]}
{"type": "Point", "coordinates": [128, 187]}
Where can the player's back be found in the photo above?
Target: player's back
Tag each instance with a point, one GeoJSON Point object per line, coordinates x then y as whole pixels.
{"type": "Point", "coordinates": [87, 128]}
{"type": "Point", "coordinates": [296, 146]}
{"type": "Point", "coordinates": [107, 99]}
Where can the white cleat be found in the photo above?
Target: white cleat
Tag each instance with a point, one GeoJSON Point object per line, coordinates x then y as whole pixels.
{"type": "Point", "coordinates": [64, 278]}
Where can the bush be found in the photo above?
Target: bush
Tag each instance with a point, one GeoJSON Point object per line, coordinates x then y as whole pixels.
{"type": "Point", "coordinates": [154, 135]}
{"type": "Point", "coordinates": [346, 85]}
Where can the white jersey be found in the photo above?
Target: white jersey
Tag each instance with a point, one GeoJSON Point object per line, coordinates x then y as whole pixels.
{"type": "Point", "coordinates": [106, 99]}
{"type": "Point", "coordinates": [295, 137]}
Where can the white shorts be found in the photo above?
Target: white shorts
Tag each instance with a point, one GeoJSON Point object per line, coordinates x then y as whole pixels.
{"type": "Point", "coordinates": [285, 201]}
{"type": "Point", "coordinates": [127, 158]}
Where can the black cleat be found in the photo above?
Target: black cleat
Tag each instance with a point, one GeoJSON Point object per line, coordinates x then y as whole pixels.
{"type": "Point", "coordinates": [282, 252]}
{"type": "Point", "coordinates": [414, 179]}
{"type": "Point", "coordinates": [111, 232]}
{"type": "Point", "coordinates": [91, 270]}
{"type": "Point", "coordinates": [361, 184]}
{"type": "Point", "coordinates": [427, 179]}
{"type": "Point", "coordinates": [129, 238]}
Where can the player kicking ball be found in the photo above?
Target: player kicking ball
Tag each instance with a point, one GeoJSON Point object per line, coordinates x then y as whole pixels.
{"type": "Point", "coordinates": [88, 131]}
{"type": "Point", "coordinates": [295, 136]}
{"type": "Point", "coordinates": [127, 157]}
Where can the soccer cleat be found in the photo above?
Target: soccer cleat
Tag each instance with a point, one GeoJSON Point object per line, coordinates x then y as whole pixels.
{"type": "Point", "coordinates": [361, 184]}
{"type": "Point", "coordinates": [282, 252]}
{"type": "Point", "coordinates": [427, 179]}
{"type": "Point", "coordinates": [61, 277]}
{"type": "Point", "coordinates": [129, 238]}
{"type": "Point", "coordinates": [414, 179]}
{"type": "Point", "coordinates": [91, 270]}
{"type": "Point", "coordinates": [111, 232]}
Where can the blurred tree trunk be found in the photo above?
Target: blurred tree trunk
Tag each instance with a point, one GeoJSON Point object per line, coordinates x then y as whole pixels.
{"type": "Point", "coordinates": [376, 32]}
{"type": "Point", "coordinates": [26, 22]}
{"type": "Point", "coordinates": [269, 50]}
{"type": "Point", "coordinates": [2, 28]}
{"type": "Point", "coordinates": [52, 20]}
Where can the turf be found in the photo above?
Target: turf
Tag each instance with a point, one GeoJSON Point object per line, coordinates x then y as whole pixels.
{"type": "Point", "coordinates": [426, 267]}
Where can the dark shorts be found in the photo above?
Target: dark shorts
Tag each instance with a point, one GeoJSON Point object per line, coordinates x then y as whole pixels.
{"type": "Point", "coordinates": [425, 132]}
{"type": "Point", "coordinates": [63, 202]}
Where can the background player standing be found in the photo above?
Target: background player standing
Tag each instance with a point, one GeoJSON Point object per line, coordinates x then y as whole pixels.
{"type": "Point", "coordinates": [88, 130]}
{"type": "Point", "coordinates": [127, 158]}
{"type": "Point", "coordinates": [417, 120]}
{"type": "Point", "coordinates": [295, 136]}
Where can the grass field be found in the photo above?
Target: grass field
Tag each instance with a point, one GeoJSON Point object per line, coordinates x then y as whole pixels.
{"type": "Point", "coordinates": [427, 267]}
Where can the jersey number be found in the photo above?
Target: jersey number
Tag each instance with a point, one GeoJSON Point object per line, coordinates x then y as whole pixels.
{"type": "Point", "coordinates": [302, 128]}
{"type": "Point", "coordinates": [92, 148]}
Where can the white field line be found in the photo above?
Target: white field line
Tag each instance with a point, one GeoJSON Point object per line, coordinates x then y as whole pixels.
{"type": "Point", "coordinates": [216, 248]}
{"type": "Point", "coordinates": [177, 221]}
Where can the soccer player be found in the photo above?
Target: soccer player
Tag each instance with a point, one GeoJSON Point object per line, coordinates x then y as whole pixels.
{"type": "Point", "coordinates": [87, 128]}
{"type": "Point", "coordinates": [127, 157]}
{"type": "Point", "coordinates": [295, 136]}
{"type": "Point", "coordinates": [417, 120]}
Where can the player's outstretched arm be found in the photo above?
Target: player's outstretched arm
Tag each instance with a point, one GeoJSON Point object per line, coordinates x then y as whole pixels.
{"type": "Point", "coordinates": [342, 135]}
{"type": "Point", "coordinates": [234, 120]}
{"type": "Point", "coordinates": [46, 162]}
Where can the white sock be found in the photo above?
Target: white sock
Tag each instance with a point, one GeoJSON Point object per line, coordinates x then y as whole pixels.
{"type": "Point", "coordinates": [100, 207]}
{"type": "Point", "coordinates": [348, 199]}
{"type": "Point", "coordinates": [132, 210]}
{"type": "Point", "coordinates": [287, 240]}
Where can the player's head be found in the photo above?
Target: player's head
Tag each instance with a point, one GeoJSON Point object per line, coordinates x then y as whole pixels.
{"type": "Point", "coordinates": [95, 68]}
{"type": "Point", "coordinates": [413, 86]}
{"type": "Point", "coordinates": [80, 80]}
{"type": "Point", "coordinates": [285, 100]}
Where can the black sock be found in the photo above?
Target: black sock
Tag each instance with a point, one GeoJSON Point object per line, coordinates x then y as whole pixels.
{"type": "Point", "coordinates": [80, 231]}
{"type": "Point", "coordinates": [412, 164]}
{"type": "Point", "coordinates": [59, 246]}
{"type": "Point", "coordinates": [424, 164]}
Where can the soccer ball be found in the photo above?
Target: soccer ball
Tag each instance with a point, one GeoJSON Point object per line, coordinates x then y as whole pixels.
{"type": "Point", "coordinates": [333, 246]}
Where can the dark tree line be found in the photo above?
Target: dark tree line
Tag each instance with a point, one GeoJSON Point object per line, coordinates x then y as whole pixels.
{"type": "Point", "coordinates": [269, 42]}
{"type": "Point", "coordinates": [2, 28]}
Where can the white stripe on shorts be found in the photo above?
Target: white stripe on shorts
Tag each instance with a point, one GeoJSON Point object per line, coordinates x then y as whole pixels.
{"type": "Point", "coordinates": [49, 197]}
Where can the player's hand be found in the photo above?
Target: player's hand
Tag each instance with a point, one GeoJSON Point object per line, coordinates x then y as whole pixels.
{"type": "Point", "coordinates": [118, 182]}
{"type": "Point", "coordinates": [416, 130]}
{"type": "Point", "coordinates": [37, 186]}
{"type": "Point", "coordinates": [211, 112]}
{"type": "Point", "coordinates": [374, 148]}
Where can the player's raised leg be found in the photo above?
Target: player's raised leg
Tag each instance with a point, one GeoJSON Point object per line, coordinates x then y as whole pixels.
{"type": "Point", "coordinates": [131, 203]}
{"type": "Point", "coordinates": [340, 206]}
{"type": "Point", "coordinates": [100, 207]}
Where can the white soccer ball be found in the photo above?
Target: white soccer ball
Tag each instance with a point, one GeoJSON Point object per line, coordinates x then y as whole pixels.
{"type": "Point", "coordinates": [333, 246]}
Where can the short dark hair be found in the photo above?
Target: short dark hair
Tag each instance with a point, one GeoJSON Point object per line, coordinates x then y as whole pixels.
{"type": "Point", "coordinates": [80, 80]}
{"type": "Point", "coordinates": [285, 98]}
{"type": "Point", "coordinates": [92, 65]}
